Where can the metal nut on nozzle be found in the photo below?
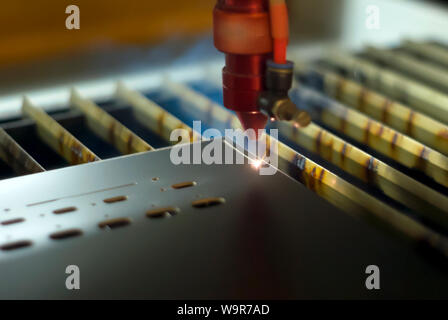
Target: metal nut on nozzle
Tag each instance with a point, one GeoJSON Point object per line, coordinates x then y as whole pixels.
{"type": "Point", "coordinates": [286, 110]}
{"type": "Point", "coordinates": [302, 119]}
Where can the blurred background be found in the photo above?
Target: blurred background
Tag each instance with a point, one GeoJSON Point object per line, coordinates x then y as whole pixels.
{"type": "Point", "coordinates": [36, 49]}
{"type": "Point", "coordinates": [33, 30]}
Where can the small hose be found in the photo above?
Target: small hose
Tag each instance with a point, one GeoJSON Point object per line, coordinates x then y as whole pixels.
{"type": "Point", "coordinates": [279, 29]}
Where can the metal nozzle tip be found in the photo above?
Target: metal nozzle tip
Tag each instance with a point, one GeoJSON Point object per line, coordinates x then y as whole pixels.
{"type": "Point", "coordinates": [301, 119]}
{"type": "Point", "coordinates": [252, 122]}
{"type": "Point", "coordinates": [286, 110]}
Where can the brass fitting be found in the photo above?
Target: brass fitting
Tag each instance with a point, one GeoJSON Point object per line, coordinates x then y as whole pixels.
{"type": "Point", "coordinates": [275, 102]}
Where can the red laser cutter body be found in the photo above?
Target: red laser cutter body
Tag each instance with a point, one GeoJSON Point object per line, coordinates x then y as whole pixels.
{"type": "Point", "coordinates": [242, 31]}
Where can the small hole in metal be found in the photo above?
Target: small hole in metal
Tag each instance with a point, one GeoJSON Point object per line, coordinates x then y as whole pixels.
{"type": "Point", "coordinates": [64, 210]}
{"type": "Point", "coordinates": [184, 185]}
{"type": "Point", "coordinates": [12, 221]}
{"type": "Point", "coordinates": [208, 202]}
{"type": "Point", "coordinates": [114, 223]}
{"type": "Point", "coordinates": [155, 179]}
{"type": "Point", "coordinates": [162, 212]}
{"type": "Point", "coordinates": [16, 245]}
{"type": "Point", "coordinates": [65, 234]}
{"type": "Point", "coordinates": [115, 199]}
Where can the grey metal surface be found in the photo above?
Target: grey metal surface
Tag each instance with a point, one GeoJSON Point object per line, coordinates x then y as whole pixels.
{"type": "Point", "coordinates": [272, 238]}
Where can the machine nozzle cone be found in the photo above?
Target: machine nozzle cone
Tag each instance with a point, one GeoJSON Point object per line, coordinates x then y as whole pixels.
{"type": "Point", "coordinates": [252, 120]}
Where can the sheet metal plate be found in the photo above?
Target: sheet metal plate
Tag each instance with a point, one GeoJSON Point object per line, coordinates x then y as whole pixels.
{"type": "Point", "coordinates": [272, 238]}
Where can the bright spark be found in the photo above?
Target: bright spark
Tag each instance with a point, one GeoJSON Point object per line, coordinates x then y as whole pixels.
{"type": "Point", "coordinates": [257, 164]}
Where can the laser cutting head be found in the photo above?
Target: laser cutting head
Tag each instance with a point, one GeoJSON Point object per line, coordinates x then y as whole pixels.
{"type": "Point", "coordinates": [242, 32]}
{"type": "Point", "coordinates": [251, 33]}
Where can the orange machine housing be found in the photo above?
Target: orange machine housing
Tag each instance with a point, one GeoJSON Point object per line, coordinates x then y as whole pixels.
{"type": "Point", "coordinates": [34, 30]}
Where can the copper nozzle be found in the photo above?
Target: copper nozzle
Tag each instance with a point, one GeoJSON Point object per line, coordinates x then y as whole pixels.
{"type": "Point", "coordinates": [286, 110]}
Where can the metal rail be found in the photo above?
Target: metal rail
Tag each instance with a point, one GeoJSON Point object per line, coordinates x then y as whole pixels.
{"type": "Point", "coordinates": [428, 51]}
{"type": "Point", "coordinates": [17, 158]}
{"type": "Point", "coordinates": [398, 186]}
{"type": "Point", "coordinates": [57, 137]}
{"type": "Point", "coordinates": [436, 77]}
{"type": "Point", "coordinates": [154, 117]}
{"type": "Point", "coordinates": [107, 127]}
{"type": "Point", "coordinates": [423, 98]}
{"type": "Point", "coordinates": [374, 134]}
{"type": "Point", "coordinates": [396, 115]}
